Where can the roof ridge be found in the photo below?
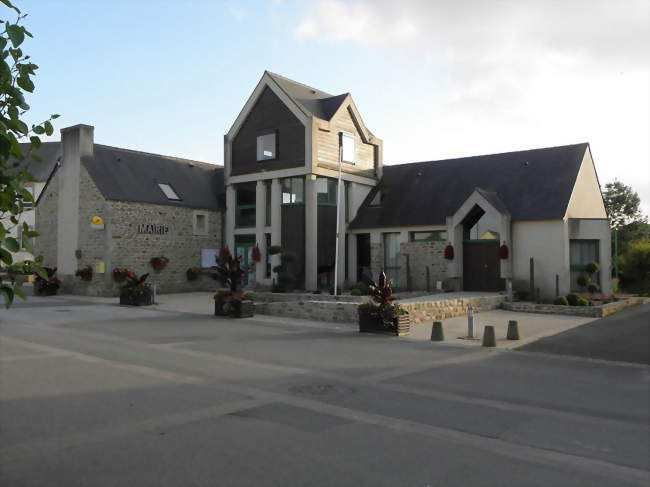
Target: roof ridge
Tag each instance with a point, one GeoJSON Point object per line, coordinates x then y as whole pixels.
{"type": "Point", "coordinates": [299, 83]}
{"type": "Point", "coordinates": [173, 158]}
{"type": "Point", "coordinates": [486, 155]}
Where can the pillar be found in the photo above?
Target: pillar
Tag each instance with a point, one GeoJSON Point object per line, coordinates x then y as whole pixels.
{"type": "Point", "coordinates": [260, 223]}
{"type": "Point", "coordinates": [276, 221]}
{"type": "Point", "coordinates": [230, 217]}
{"type": "Point", "coordinates": [311, 233]}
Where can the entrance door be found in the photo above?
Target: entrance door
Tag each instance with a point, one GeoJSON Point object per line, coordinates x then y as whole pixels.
{"type": "Point", "coordinates": [244, 249]}
{"type": "Point", "coordinates": [363, 256]}
{"type": "Point", "coordinates": [481, 266]}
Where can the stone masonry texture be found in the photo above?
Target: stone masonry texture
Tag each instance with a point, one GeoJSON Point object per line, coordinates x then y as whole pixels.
{"type": "Point", "coordinates": [419, 256]}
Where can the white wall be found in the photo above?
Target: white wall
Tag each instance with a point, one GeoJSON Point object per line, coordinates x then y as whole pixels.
{"type": "Point", "coordinates": [547, 243]}
{"type": "Point", "coordinates": [586, 199]}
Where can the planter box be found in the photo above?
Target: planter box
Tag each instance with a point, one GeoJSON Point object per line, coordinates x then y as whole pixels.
{"type": "Point", "coordinates": [129, 300]}
{"type": "Point", "coordinates": [246, 310]}
{"type": "Point", "coordinates": [371, 324]}
{"type": "Point", "coordinates": [47, 291]}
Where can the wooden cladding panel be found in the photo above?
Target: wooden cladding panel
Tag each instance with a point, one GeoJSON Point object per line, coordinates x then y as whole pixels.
{"type": "Point", "coordinates": [269, 113]}
{"type": "Point", "coordinates": [328, 145]}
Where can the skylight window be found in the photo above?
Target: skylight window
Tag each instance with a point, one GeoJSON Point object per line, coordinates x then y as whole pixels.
{"type": "Point", "coordinates": [169, 192]}
{"type": "Point", "coordinates": [347, 148]}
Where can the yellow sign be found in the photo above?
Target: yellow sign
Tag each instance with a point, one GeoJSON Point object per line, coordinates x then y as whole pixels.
{"type": "Point", "coordinates": [97, 220]}
{"type": "Point", "coordinates": [99, 267]}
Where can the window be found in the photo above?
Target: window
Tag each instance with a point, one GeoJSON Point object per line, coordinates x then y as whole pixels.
{"type": "Point", "coordinates": [169, 191]}
{"type": "Point", "coordinates": [347, 147]}
{"type": "Point", "coordinates": [391, 256]}
{"type": "Point", "coordinates": [266, 146]}
{"type": "Point", "coordinates": [22, 238]}
{"type": "Point", "coordinates": [326, 189]}
{"type": "Point", "coordinates": [267, 186]}
{"type": "Point", "coordinates": [434, 236]}
{"type": "Point", "coordinates": [267, 237]}
{"type": "Point", "coordinates": [581, 253]}
{"type": "Point", "coordinates": [245, 205]}
{"type": "Point", "coordinates": [293, 191]}
{"type": "Point", "coordinates": [200, 223]}
{"type": "Point", "coordinates": [28, 204]}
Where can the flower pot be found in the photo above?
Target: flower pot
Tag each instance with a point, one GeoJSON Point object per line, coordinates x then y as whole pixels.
{"type": "Point", "coordinates": [47, 291]}
{"type": "Point", "coordinates": [218, 308]}
{"type": "Point", "coordinates": [373, 324]}
{"type": "Point", "coordinates": [136, 300]}
{"type": "Point", "coordinates": [245, 310]}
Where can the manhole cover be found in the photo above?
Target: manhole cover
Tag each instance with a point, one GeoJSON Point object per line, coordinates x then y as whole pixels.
{"type": "Point", "coordinates": [62, 310]}
{"type": "Point", "coordinates": [320, 389]}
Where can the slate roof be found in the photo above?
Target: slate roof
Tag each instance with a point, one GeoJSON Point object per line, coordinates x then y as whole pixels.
{"type": "Point", "coordinates": [127, 175]}
{"type": "Point", "coordinates": [311, 101]}
{"type": "Point", "coordinates": [531, 185]}
{"type": "Point", "coordinates": [50, 153]}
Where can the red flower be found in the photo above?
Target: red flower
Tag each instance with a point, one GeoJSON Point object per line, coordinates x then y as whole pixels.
{"type": "Point", "coordinates": [449, 252]}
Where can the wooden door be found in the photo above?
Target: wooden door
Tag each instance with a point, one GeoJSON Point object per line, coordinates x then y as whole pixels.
{"type": "Point", "coordinates": [481, 266]}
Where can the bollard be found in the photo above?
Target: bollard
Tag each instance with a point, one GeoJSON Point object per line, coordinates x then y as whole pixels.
{"type": "Point", "coordinates": [489, 340]}
{"type": "Point", "coordinates": [470, 322]}
{"type": "Point", "coordinates": [513, 330]}
{"type": "Point", "coordinates": [436, 332]}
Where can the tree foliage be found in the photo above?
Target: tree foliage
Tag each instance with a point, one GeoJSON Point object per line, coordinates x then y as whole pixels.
{"type": "Point", "coordinates": [16, 73]}
{"type": "Point", "coordinates": [622, 204]}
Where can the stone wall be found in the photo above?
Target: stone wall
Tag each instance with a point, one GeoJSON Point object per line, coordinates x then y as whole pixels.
{"type": "Point", "coordinates": [590, 311]}
{"type": "Point", "coordinates": [46, 222]}
{"type": "Point", "coordinates": [376, 259]}
{"type": "Point", "coordinates": [419, 256]}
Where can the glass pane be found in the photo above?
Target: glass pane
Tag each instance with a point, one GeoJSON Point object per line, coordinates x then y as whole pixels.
{"type": "Point", "coordinates": [245, 217]}
{"type": "Point", "coordinates": [485, 229]}
{"type": "Point", "coordinates": [245, 194]}
{"type": "Point", "coordinates": [266, 146]}
{"type": "Point", "coordinates": [297, 190]}
{"type": "Point", "coordinates": [347, 142]}
{"type": "Point", "coordinates": [582, 252]}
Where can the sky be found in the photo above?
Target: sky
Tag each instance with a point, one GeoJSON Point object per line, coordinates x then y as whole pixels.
{"type": "Point", "coordinates": [433, 79]}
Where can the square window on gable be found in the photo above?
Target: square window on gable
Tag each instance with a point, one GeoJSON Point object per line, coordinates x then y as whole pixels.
{"type": "Point", "coordinates": [169, 191]}
{"type": "Point", "coordinates": [267, 146]}
{"type": "Point", "coordinates": [347, 147]}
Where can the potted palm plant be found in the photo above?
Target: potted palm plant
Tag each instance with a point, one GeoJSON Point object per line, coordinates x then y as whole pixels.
{"type": "Point", "coordinates": [382, 315]}
{"type": "Point", "coordinates": [135, 291]}
{"type": "Point", "coordinates": [49, 286]}
{"type": "Point", "coordinates": [230, 300]}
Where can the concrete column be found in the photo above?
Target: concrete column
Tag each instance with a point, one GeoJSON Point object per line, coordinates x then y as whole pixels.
{"type": "Point", "coordinates": [76, 142]}
{"type": "Point", "coordinates": [260, 222]}
{"type": "Point", "coordinates": [230, 217]}
{"type": "Point", "coordinates": [352, 258]}
{"type": "Point", "coordinates": [311, 233]}
{"type": "Point", "coordinates": [342, 232]}
{"type": "Point", "coordinates": [276, 221]}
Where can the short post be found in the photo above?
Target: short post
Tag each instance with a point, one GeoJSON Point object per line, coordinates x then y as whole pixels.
{"type": "Point", "coordinates": [557, 285]}
{"type": "Point", "coordinates": [428, 282]}
{"type": "Point", "coordinates": [532, 280]}
{"type": "Point", "coordinates": [470, 322]}
{"type": "Point", "coordinates": [155, 293]}
{"type": "Point", "coordinates": [513, 330]}
{"type": "Point", "coordinates": [437, 334]}
{"type": "Point", "coordinates": [489, 339]}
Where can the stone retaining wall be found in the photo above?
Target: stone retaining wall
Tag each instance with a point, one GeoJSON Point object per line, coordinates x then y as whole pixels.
{"type": "Point", "coordinates": [346, 311]}
{"type": "Point", "coordinates": [589, 311]}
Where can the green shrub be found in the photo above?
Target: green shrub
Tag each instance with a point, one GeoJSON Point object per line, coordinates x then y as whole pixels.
{"type": "Point", "coordinates": [355, 292]}
{"type": "Point", "coordinates": [582, 281]}
{"type": "Point", "coordinates": [572, 299]}
{"type": "Point", "coordinates": [289, 256]}
{"type": "Point", "coordinates": [614, 285]}
{"type": "Point", "coordinates": [592, 287]}
{"type": "Point", "coordinates": [582, 302]}
{"type": "Point", "coordinates": [561, 300]}
{"type": "Point", "coordinates": [274, 249]}
{"type": "Point", "coordinates": [592, 268]}
{"type": "Point", "coordinates": [635, 266]}
{"type": "Point", "coordinates": [362, 287]}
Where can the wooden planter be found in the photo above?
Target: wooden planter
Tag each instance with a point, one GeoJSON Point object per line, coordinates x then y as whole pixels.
{"type": "Point", "coordinates": [373, 324]}
{"type": "Point", "coordinates": [246, 310]}
{"type": "Point", "coordinates": [130, 300]}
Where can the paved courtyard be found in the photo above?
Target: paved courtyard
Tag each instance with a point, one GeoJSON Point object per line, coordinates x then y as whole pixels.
{"type": "Point", "coordinates": [93, 394]}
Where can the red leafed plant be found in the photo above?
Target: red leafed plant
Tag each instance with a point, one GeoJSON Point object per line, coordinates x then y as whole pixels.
{"type": "Point", "coordinates": [159, 263]}
{"type": "Point", "coordinates": [85, 273]}
{"type": "Point", "coordinates": [383, 306]}
{"type": "Point", "coordinates": [449, 252]}
{"type": "Point", "coordinates": [121, 274]}
{"type": "Point", "coordinates": [256, 254]}
{"type": "Point", "coordinates": [224, 254]}
{"type": "Point", "coordinates": [503, 251]}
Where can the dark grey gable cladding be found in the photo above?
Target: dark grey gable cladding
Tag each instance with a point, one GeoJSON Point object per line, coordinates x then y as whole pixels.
{"type": "Point", "coordinates": [310, 100]}
{"type": "Point", "coordinates": [126, 175]}
{"type": "Point", "coordinates": [50, 154]}
{"type": "Point", "coordinates": [532, 185]}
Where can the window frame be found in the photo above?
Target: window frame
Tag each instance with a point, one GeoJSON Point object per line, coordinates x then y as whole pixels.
{"type": "Point", "coordinates": [239, 207]}
{"type": "Point", "coordinates": [413, 239]}
{"type": "Point", "coordinates": [282, 191]}
{"type": "Point", "coordinates": [264, 133]}
{"type": "Point", "coordinates": [331, 183]}
{"type": "Point", "coordinates": [348, 136]}
{"type": "Point", "coordinates": [172, 189]}
{"type": "Point", "coordinates": [195, 217]}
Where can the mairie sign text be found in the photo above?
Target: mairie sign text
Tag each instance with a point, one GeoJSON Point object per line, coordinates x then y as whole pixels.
{"type": "Point", "coordinates": [153, 228]}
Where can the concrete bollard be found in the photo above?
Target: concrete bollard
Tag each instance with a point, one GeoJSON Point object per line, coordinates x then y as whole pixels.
{"type": "Point", "coordinates": [513, 330]}
{"type": "Point", "coordinates": [437, 334]}
{"type": "Point", "coordinates": [489, 340]}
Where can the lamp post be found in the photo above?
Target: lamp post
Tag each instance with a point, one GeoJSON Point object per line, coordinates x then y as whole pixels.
{"type": "Point", "coordinates": [338, 218]}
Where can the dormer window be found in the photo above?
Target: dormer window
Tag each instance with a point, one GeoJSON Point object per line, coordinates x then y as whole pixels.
{"type": "Point", "coordinates": [169, 191]}
{"type": "Point", "coordinates": [347, 147]}
{"type": "Point", "coordinates": [267, 146]}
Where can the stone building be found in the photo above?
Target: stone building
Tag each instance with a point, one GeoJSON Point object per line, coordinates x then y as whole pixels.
{"type": "Point", "coordinates": [106, 208]}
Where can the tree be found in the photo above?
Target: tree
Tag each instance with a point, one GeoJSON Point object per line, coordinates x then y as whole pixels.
{"type": "Point", "coordinates": [622, 204]}
{"type": "Point", "coordinates": [16, 72]}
